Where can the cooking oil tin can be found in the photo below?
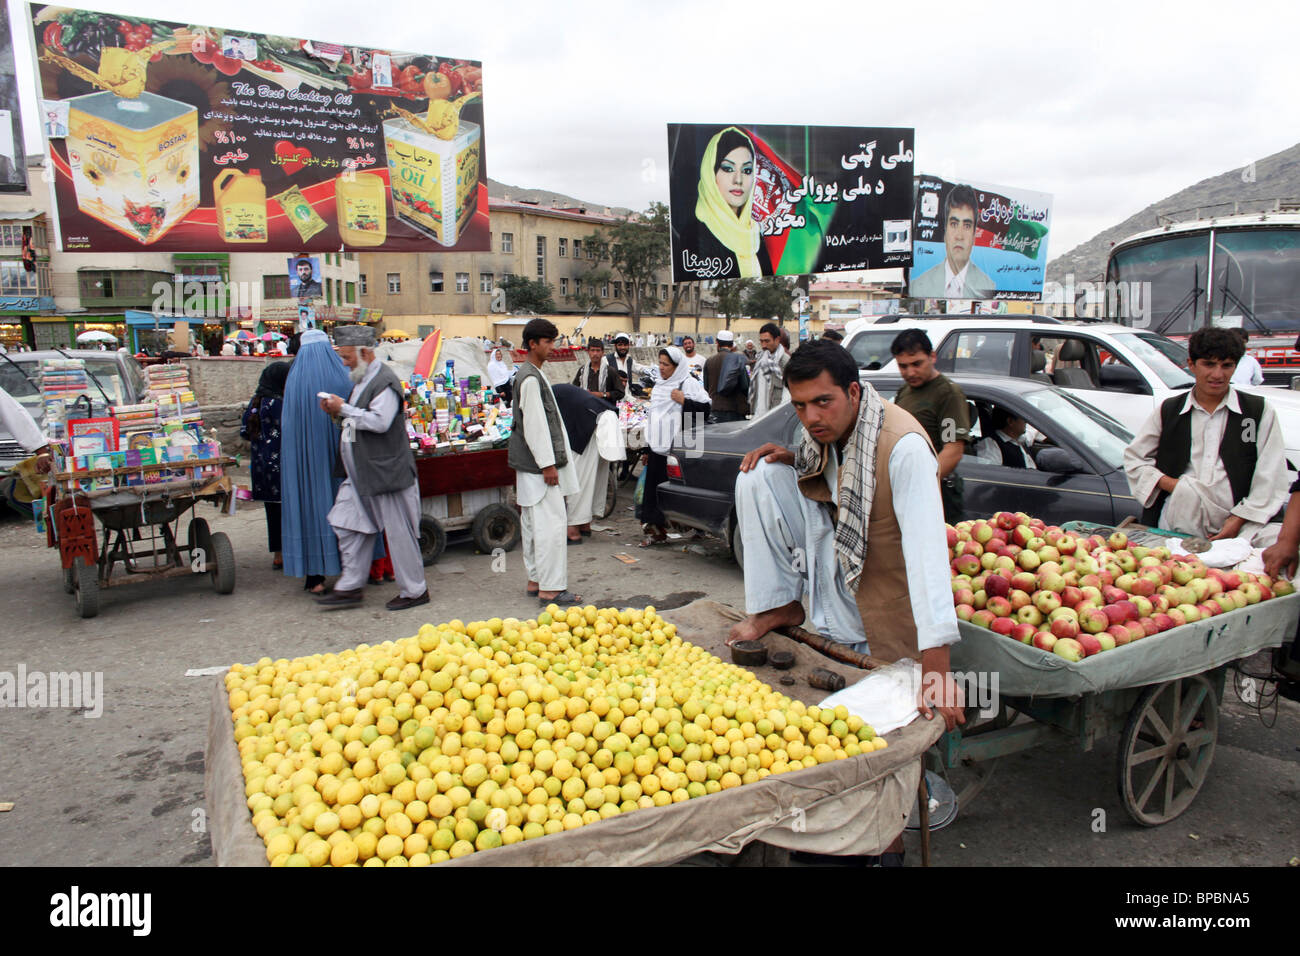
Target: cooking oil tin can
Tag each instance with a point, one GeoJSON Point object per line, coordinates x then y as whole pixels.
{"type": "Point", "coordinates": [434, 181]}
{"type": "Point", "coordinates": [135, 163]}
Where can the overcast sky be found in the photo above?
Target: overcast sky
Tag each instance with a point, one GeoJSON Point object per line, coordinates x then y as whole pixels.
{"type": "Point", "coordinates": [1107, 106]}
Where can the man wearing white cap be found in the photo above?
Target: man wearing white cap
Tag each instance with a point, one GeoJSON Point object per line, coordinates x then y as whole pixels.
{"type": "Point", "coordinates": [622, 357]}
{"type": "Point", "coordinates": [726, 379]}
{"type": "Point", "coordinates": [381, 494]}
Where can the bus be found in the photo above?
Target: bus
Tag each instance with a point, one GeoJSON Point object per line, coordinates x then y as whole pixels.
{"type": "Point", "coordinates": [1234, 264]}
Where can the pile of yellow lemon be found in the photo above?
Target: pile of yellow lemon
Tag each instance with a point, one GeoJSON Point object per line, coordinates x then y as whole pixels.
{"type": "Point", "coordinates": [470, 737]}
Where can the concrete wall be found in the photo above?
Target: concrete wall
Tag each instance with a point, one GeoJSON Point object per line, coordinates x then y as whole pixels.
{"type": "Point", "coordinates": [226, 380]}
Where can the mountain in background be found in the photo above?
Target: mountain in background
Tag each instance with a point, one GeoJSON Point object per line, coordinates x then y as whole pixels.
{"type": "Point", "coordinates": [1273, 177]}
{"type": "Point", "coordinates": [547, 198]}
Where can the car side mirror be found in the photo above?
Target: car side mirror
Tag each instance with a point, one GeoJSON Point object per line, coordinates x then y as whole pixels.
{"type": "Point", "coordinates": [1059, 461]}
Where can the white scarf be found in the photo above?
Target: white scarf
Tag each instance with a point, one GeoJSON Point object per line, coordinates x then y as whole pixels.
{"type": "Point", "coordinates": [498, 371]}
{"type": "Point", "coordinates": [665, 416]}
{"type": "Point", "coordinates": [767, 378]}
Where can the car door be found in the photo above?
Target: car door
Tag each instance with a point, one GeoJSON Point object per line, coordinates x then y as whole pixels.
{"type": "Point", "coordinates": [1053, 497]}
{"type": "Point", "coordinates": [1101, 377]}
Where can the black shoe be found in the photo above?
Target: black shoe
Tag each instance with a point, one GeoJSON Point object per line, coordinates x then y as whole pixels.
{"type": "Point", "coordinates": [402, 603]}
{"type": "Point", "coordinates": [335, 600]}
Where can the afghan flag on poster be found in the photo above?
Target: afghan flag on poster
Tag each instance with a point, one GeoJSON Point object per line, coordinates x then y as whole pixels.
{"type": "Point", "coordinates": [791, 251]}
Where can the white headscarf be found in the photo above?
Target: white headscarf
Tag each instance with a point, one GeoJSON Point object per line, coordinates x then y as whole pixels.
{"type": "Point", "coordinates": [498, 370]}
{"type": "Point", "coordinates": [665, 416]}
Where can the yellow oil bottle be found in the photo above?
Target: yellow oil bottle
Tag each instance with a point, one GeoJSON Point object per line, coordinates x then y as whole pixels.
{"type": "Point", "coordinates": [241, 205]}
{"type": "Point", "coordinates": [361, 208]}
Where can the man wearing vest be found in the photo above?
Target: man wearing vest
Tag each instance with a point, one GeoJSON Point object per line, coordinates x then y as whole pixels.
{"type": "Point", "coordinates": [380, 494]}
{"type": "Point", "coordinates": [1006, 446]}
{"type": "Point", "coordinates": [853, 518]}
{"type": "Point", "coordinates": [539, 453]}
{"type": "Point", "coordinates": [1212, 462]}
{"type": "Point", "coordinates": [601, 377]}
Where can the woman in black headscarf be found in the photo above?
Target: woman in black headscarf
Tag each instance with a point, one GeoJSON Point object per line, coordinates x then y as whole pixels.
{"type": "Point", "coordinates": [261, 426]}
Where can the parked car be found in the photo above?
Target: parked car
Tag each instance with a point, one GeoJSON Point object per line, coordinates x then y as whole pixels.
{"type": "Point", "coordinates": [1123, 371]}
{"type": "Point", "coordinates": [115, 379]}
{"type": "Point", "coordinates": [1079, 452]}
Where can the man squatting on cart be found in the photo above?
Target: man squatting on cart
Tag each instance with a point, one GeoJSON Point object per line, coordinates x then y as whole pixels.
{"type": "Point", "coordinates": [381, 494]}
{"type": "Point", "coordinates": [832, 519]}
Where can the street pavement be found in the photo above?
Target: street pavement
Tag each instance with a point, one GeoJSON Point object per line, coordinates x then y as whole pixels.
{"type": "Point", "coordinates": [126, 787]}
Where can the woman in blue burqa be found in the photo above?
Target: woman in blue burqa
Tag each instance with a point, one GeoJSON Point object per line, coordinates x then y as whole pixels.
{"type": "Point", "coordinates": [308, 447]}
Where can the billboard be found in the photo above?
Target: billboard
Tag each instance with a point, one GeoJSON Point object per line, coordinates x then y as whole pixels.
{"type": "Point", "coordinates": [184, 138]}
{"type": "Point", "coordinates": [788, 200]}
{"type": "Point", "coordinates": [13, 161]}
{"type": "Point", "coordinates": [975, 241]}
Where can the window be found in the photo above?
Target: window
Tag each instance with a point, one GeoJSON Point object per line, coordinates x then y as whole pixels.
{"type": "Point", "coordinates": [12, 235]}
{"type": "Point", "coordinates": [15, 280]}
{"type": "Point", "coordinates": [663, 291]}
{"type": "Point", "coordinates": [435, 282]}
{"type": "Point", "coordinates": [541, 257]}
{"type": "Point", "coordinates": [618, 289]}
{"type": "Point", "coordinates": [577, 248]}
{"type": "Point", "coordinates": [275, 287]}
{"type": "Point", "coordinates": [485, 282]}
{"type": "Point", "coordinates": [362, 277]}
{"type": "Point", "coordinates": [462, 281]}
{"type": "Point", "coordinates": [604, 290]}
{"type": "Point", "coordinates": [564, 286]}
{"type": "Point", "coordinates": [564, 247]}
{"type": "Point", "coordinates": [394, 283]}
{"type": "Point", "coordinates": [507, 242]}
{"type": "Point", "coordinates": [351, 288]}
{"type": "Point", "coordinates": [975, 351]}
{"type": "Point", "coordinates": [577, 287]}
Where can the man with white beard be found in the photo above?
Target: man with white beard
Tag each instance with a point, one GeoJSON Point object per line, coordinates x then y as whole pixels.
{"type": "Point", "coordinates": [380, 494]}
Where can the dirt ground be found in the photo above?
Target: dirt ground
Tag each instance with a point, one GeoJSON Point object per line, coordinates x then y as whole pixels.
{"type": "Point", "coordinates": [126, 788]}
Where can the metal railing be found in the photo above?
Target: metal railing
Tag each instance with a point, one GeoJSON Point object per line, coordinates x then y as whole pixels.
{"type": "Point", "coordinates": [1235, 207]}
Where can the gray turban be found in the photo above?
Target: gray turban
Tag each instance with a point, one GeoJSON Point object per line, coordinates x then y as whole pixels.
{"type": "Point", "coordinates": [359, 335]}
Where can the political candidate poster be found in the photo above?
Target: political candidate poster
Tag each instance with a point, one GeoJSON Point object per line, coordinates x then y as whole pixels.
{"type": "Point", "coordinates": [754, 200]}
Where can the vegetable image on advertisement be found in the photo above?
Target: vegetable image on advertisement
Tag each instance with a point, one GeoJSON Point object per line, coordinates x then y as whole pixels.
{"type": "Point", "coordinates": [787, 200]}
{"type": "Point", "coordinates": [184, 138]}
{"type": "Point", "coordinates": [975, 241]}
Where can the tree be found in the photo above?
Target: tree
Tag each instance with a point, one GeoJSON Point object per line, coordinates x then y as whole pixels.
{"type": "Point", "coordinates": [771, 297]}
{"type": "Point", "coordinates": [636, 251]}
{"type": "Point", "coordinates": [731, 297]}
{"type": "Point", "coordinates": [527, 295]}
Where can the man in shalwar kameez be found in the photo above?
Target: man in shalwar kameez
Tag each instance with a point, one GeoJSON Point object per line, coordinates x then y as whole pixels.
{"type": "Point", "coordinates": [380, 493]}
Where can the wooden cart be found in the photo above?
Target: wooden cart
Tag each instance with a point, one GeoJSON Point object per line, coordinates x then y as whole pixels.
{"type": "Point", "coordinates": [466, 491]}
{"type": "Point", "coordinates": [141, 530]}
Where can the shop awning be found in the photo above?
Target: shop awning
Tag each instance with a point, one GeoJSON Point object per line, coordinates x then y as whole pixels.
{"type": "Point", "coordinates": [136, 317]}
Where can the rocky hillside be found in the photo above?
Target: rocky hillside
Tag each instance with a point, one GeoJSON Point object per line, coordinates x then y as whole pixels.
{"type": "Point", "coordinates": [545, 198]}
{"type": "Point", "coordinates": [1273, 177]}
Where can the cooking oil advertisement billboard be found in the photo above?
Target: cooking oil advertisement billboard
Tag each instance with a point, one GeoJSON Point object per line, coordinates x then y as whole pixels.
{"type": "Point", "coordinates": [975, 241]}
{"type": "Point", "coordinates": [181, 138]}
{"type": "Point", "coordinates": [788, 200]}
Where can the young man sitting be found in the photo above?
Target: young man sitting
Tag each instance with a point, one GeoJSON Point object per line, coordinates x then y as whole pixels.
{"type": "Point", "coordinates": [1211, 462]}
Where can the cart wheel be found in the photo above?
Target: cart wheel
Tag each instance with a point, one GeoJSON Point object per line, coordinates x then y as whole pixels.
{"type": "Point", "coordinates": [611, 495]}
{"type": "Point", "coordinates": [221, 562]}
{"type": "Point", "coordinates": [86, 580]}
{"type": "Point", "coordinates": [496, 526]}
{"type": "Point", "coordinates": [433, 540]}
{"type": "Point", "coordinates": [1162, 761]}
{"type": "Point", "coordinates": [199, 535]}
{"type": "Point", "coordinates": [69, 582]}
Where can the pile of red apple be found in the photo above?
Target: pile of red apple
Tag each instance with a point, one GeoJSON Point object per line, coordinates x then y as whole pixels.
{"type": "Point", "coordinates": [1076, 597]}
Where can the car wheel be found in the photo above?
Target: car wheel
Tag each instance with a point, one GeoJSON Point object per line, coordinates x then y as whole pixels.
{"type": "Point", "coordinates": [734, 540]}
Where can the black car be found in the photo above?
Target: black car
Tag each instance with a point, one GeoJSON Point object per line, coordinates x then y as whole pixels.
{"type": "Point", "coordinates": [1078, 451]}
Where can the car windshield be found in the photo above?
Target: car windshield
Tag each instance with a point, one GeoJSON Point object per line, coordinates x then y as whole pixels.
{"type": "Point", "coordinates": [1165, 357]}
{"type": "Point", "coordinates": [870, 348]}
{"type": "Point", "coordinates": [1100, 434]}
{"type": "Point", "coordinates": [117, 386]}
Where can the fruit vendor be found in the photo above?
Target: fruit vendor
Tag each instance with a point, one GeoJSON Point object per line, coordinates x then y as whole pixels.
{"type": "Point", "coordinates": [1211, 462]}
{"type": "Point", "coordinates": [832, 519]}
{"type": "Point", "coordinates": [1283, 555]}
{"type": "Point", "coordinates": [539, 453]}
{"type": "Point", "coordinates": [380, 494]}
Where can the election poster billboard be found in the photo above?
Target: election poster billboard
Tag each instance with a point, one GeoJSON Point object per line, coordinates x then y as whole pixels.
{"type": "Point", "coordinates": [753, 200]}
{"type": "Point", "coordinates": [183, 138]}
{"type": "Point", "coordinates": [976, 241]}
{"type": "Point", "coordinates": [13, 159]}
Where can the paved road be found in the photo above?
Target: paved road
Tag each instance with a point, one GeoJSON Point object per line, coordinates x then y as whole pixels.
{"type": "Point", "coordinates": [127, 787]}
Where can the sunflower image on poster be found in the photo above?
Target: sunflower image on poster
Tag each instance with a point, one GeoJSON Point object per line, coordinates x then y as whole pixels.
{"type": "Point", "coordinates": [754, 200]}
{"type": "Point", "coordinates": [190, 138]}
